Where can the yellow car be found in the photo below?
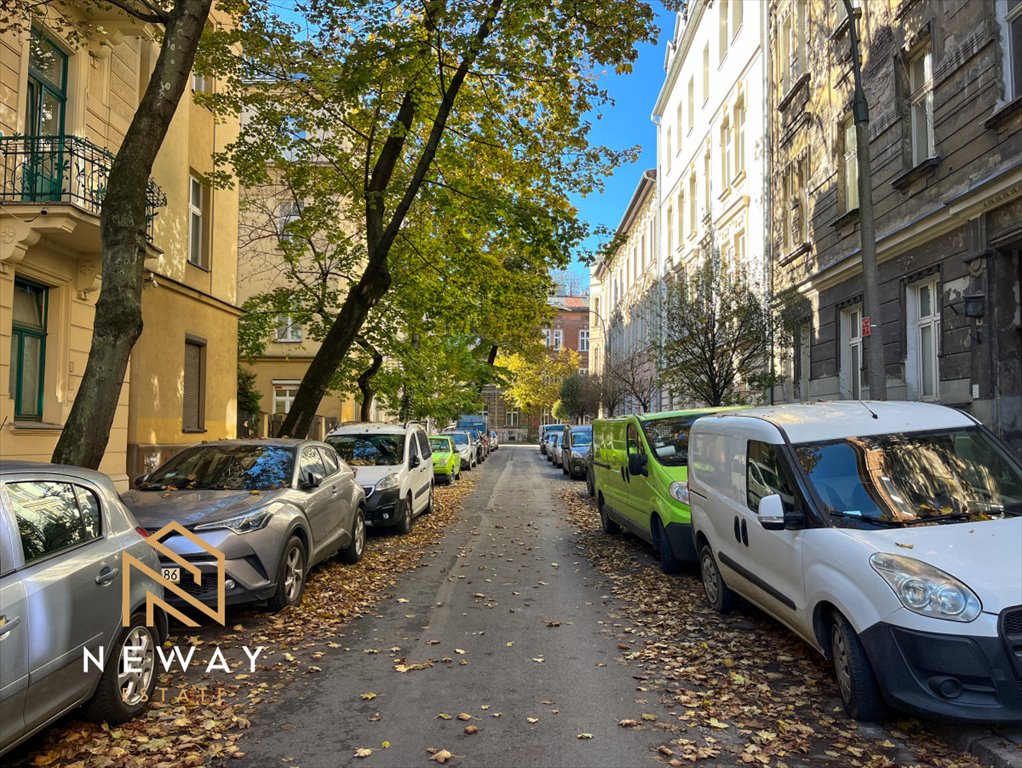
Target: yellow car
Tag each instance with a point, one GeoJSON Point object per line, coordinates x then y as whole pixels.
{"type": "Point", "coordinates": [446, 459]}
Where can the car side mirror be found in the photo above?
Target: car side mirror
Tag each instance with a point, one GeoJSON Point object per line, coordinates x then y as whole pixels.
{"type": "Point", "coordinates": [771, 512]}
{"type": "Point", "coordinates": [312, 480]}
{"type": "Point", "coordinates": [637, 464]}
{"type": "Point", "coordinates": [137, 482]}
{"type": "Point", "coordinates": [413, 462]}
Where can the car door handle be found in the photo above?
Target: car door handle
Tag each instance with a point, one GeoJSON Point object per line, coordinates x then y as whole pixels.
{"type": "Point", "coordinates": [6, 625]}
{"type": "Point", "coordinates": [107, 575]}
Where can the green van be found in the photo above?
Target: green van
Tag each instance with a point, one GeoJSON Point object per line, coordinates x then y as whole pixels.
{"type": "Point", "coordinates": [640, 466]}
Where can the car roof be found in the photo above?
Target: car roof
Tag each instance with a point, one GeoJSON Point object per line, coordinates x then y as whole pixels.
{"type": "Point", "coordinates": [21, 467]}
{"type": "Point", "coordinates": [371, 428]}
{"type": "Point", "coordinates": [821, 421]}
{"type": "Point", "coordinates": [581, 427]}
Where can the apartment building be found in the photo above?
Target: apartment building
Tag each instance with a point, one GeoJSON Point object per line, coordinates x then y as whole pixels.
{"type": "Point", "coordinates": [944, 85]}
{"type": "Point", "coordinates": [67, 105]}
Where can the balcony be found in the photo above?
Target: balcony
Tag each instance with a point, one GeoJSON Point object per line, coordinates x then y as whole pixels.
{"type": "Point", "coordinates": [64, 177]}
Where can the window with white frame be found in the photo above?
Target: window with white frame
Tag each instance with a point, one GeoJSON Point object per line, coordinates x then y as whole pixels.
{"type": "Point", "coordinates": [692, 204]}
{"type": "Point", "coordinates": [511, 417]}
{"type": "Point", "coordinates": [691, 102]}
{"type": "Point", "coordinates": [739, 135]}
{"type": "Point", "coordinates": [670, 230]}
{"type": "Point", "coordinates": [583, 371]}
{"type": "Point", "coordinates": [546, 418]}
{"type": "Point", "coordinates": [851, 353]}
{"type": "Point", "coordinates": [723, 21]}
{"type": "Point", "coordinates": [851, 165]}
{"type": "Point", "coordinates": [736, 17]}
{"type": "Point", "coordinates": [288, 329]}
{"type": "Point", "coordinates": [725, 152]}
{"type": "Point", "coordinates": [199, 83]}
{"type": "Point", "coordinates": [667, 149]}
{"type": "Point", "coordinates": [284, 395]}
{"type": "Point", "coordinates": [198, 205]}
{"type": "Point", "coordinates": [546, 331]}
{"type": "Point", "coordinates": [681, 217]}
{"type": "Point", "coordinates": [920, 86]}
{"type": "Point", "coordinates": [558, 338]}
{"type": "Point", "coordinates": [706, 73]}
{"type": "Point", "coordinates": [583, 340]}
{"type": "Point", "coordinates": [678, 124]}
{"type": "Point", "coordinates": [707, 187]}
{"type": "Point", "coordinates": [288, 212]}
{"type": "Point", "coordinates": [1013, 66]}
{"type": "Point", "coordinates": [923, 302]}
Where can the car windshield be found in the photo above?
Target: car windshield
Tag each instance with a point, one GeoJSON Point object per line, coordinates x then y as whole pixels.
{"type": "Point", "coordinates": [459, 438]}
{"type": "Point", "coordinates": [582, 437]}
{"type": "Point", "coordinates": [440, 444]}
{"type": "Point", "coordinates": [370, 450]}
{"type": "Point", "coordinates": [919, 477]}
{"type": "Point", "coordinates": [669, 439]}
{"type": "Point", "coordinates": [225, 468]}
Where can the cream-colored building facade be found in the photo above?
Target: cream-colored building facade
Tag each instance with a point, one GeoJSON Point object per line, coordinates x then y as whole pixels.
{"type": "Point", "coordinates": [64, 111]}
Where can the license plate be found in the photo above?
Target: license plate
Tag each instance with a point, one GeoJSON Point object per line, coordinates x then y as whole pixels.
{"type": "Point", "coordinates": [172, 575]}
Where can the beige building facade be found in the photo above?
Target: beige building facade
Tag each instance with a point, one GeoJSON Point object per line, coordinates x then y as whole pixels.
{"type": "Point", "coordinates": [65, 109]}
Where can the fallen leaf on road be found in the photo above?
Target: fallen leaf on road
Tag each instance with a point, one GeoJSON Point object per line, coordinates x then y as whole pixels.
{"type": "Point", "coordinates": [403, 600]}
{"type": "Point", "coordinates": [470, 729]}
{"type": "Point", "coordinates": [369, 696]}
{"type": "Point", "coordinates": [385, 745]}
{"type": "Point", "coordinates": [444, 716]}
{"type": "Point", "coordinates": [628, 723]}
{"type": "Point", "coordinates": [584, 736]}
{"type": "Point", "coordinates": [442, 756]}
{"type": "Point", "coordinates": [532, 720]}
{"type": "Point", "coordinates": [363, 752]}
{"type": "Point", "coordinates": [538, 659]}
{"type": "Point", "coordinates": [648, 718]}
{"type": "Point", "coordinates": [464, 716]}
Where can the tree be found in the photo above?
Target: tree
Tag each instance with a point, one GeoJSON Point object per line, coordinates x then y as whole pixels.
{"type": "Point", "coordinates": [407, 107]}
{"type": "Point", "coordinates": [118, 318]}
{"type": "Point", "coordinates": [635, 375]}
{"type": "Point", "coordinates": [580, 396]}
{"type": "Point", "coordinates": [717, 336]}
{"type": "Point", "coordinates": [534, 383]}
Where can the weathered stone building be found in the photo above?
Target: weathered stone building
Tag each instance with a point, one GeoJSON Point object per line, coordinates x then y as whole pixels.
{"type": "Point", "coordinates": [944, 84]}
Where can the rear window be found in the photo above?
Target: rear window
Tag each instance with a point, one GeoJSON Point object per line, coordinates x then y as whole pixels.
{"type": "Point", "coordinates": [369, 450]}
{"type": "Point", "coordinates": [440, 444]}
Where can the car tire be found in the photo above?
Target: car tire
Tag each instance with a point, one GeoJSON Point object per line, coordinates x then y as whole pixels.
{"type": "Point", "coordinates": [352, 553]}
{"type": "Point", "coordinates": [404, 525]}
{"type": "Point", "coordinates": [609, 526]}
{"type": "Point", "coordinates": [120, 698]}
{"type": "Point", "coordinates": [718, 594]}
{"type": "Point", "coordinates": [860, 692]}
{"type": "Point", "coordinates": [429, 504]}
{"type": "Point", "coordinates": [668, 562]}
{"type": "Point", "coordinates": [290, 577]}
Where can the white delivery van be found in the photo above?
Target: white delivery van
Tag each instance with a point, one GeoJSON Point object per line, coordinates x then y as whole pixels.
{"type": "Point", "coordinates": [887, 534]}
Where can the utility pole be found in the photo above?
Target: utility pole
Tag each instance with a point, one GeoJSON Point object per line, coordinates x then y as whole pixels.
{"type": "Point", "coordinates": [867, 223]}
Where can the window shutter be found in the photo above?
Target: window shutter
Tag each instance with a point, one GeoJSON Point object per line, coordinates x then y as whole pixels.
{"type": "Point", "coordinates": [193, 386]}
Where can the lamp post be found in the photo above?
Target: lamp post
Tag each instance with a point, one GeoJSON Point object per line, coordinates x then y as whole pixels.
{"type": "Point", "coordinates": [606, 352]}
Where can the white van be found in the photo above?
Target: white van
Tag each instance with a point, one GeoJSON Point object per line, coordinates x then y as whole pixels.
{"type": "Point", "coordinates": [888, 535]}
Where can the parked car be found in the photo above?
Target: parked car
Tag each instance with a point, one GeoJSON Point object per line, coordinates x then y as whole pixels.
{"type": "Point", "coordinates": [551, 448]}
{"type": "Point", "coordinates": [647, 497]}
{"type": "Point", "coordinates": [544, 436]}
{"type": "Point", "coordinates": [886, 535]}
{"type": "Point", "coordinates": [446, 459]}
{"type": "Point", "coordinates": [577, 442]}
{"type": "Point", "coordinates": [63, 535]}
{"type": "Point", "coordinates": [395, 468]}
{"type": "Point", "coordinates": [477, 441]}
{"type": "Point", "coordinates": [273, 508]}
{"type": "Point", "coordinates": [466, 450]}
{"type": "Point", "coordinates": [494, 439]}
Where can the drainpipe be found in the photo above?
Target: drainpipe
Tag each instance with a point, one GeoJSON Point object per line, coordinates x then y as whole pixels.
{"type": "Point", "coordinates": [768, 198]}
{"type": "Point", "coordinates": [659, 261]}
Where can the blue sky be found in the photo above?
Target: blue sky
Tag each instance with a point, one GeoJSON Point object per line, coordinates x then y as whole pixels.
{"type": "Point", "coordinates": [623, 125]}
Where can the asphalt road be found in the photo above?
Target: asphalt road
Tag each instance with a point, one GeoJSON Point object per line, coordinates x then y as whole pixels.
{"type": "Point", "coordinates": [508, 623]}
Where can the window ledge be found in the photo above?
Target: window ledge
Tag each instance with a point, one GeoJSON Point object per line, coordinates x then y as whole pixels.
{"type": "Point", "coordinates": [194, 431]}
{"type": "Point", "coordinates": [38, 426]}
{"type": "Point", "coordinates": [923, 170]}
{"type": "Point", "coordinates": [797, 251]}
{"type": "Point", "coordinates": [1004, 113]}
{"type": "Point", "coordinates": [844, 26]}
{"type": "Point", "coordinates": [846, 218]}
{"type": "Point", "coordinates": [786, 100]}
{"type": "Point", "coordinates": [198, 266]}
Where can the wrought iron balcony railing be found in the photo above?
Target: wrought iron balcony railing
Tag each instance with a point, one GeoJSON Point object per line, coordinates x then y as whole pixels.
{"type": "Point", "coordinates": [62, 169]}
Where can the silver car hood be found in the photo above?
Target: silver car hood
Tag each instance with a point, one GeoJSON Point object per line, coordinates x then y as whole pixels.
{"type": "Point", "coordinates": [154, 509]}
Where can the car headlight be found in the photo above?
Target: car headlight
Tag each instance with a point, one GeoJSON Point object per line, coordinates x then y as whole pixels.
{"type": "Point", "coordinates": [926, 590]}
{"type": "Point", "coordinates": [250, 521]}
{"type": "Point", "coordinates": [390, 481]}
{"type": "Point", "coordinates": [679, 492]}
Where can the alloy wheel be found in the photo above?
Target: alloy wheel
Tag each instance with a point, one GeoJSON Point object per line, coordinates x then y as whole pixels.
{"type": "Point", "coordinates": [360, 534]}
{"type": "Point", "coordinates": [710, 578]}
{"type": "Point", "coordinates": [294, 574]}
{"type": "Point", "coordinates": [133, 683]}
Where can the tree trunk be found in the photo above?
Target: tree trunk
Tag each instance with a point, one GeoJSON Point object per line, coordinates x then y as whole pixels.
{"type": "Point", "coordinates": [867, 223]}
{"type": "Point", "coordinates": [365, 384]}
{"type": "Point", "coordinates": [118, 318]}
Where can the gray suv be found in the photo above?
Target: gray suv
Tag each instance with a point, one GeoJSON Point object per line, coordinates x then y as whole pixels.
{"type": "Point", "coordinates": [63, 534]}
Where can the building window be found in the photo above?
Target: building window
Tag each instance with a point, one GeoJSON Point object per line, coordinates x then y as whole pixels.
{"type": "Point", "coordinates": [583, 340]}
{"type": "Point", "coordinates": [722, 23]}
{"type": "Point", "coordinates": [1013, 68]}
{"type": "Point", "coordinates": [198, 209]}
{"type": "Point", "coordinates": [691, 102]}
{"type": "Point", "coordinates": [28, 349]}
{"type": "Point", "coordinates": [920, 85]}
{"type": "Point", "coordinates": [511, 418]}
{"type": "Point", "coordinates": [288, 329]}
{"type": "Point", "coordinates": [851, 165]}
{"type": "Point", "coordinates": [289, 212]}
{"type": "Point", "coordinates": [726, 140]}
{"type": "Point", "coordinates": [47, 87]}
{"type": "Point", "coordinates": [546, 418]}
{"type": "Point", "coordinates": [681, 218]}
{"type": "Point", "coordinates": [558, 338]}
{"type": "Point", "coordinates": [679, 124]}
{"type": "Point", "coordinates": [923, 336]}
{"type": "Point", "coordinates": [707, 187]}
{"type": "Point", "coordinates": [851, 353]}
{"type": "Point", "coordinates": [692, 205]}
{"type": "Point", "coordinates": [583, 371]}
{"type": "Point", "coordinates": [739, 135]}
{"type": "Point", "coordinates": [736, 17]}
{"type": "Point", "coordinates": [546, 337]}
{"type": "Point", "coordinates": [200, 84]}
{"type": "Point", "coordinates": [194, 411]}
{"type": "Point", "coordinates": [706, 73]}
{"type": "Point", "coordinates": [667, 149]}
{"type": "Point", "coordinates": [739, 250]}
{"type": "Point", "coordinates": [284, 395]}
{"type": "Point", "coordinates": [803, 358]}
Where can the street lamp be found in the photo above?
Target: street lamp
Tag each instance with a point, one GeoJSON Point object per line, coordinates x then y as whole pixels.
{"type": "Point", "coordinates": [606, 351]}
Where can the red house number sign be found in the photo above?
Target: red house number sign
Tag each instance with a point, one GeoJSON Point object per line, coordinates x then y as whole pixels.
{"type": "Point", "coordinates": [865, 327]}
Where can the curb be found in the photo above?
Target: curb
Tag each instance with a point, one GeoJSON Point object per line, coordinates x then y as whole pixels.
{"type": "Point", "coordinates": [995, 750]}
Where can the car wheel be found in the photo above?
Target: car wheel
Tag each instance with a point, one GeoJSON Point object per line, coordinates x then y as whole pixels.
{"type": "Point", "coordinates": [121, 696]}
{"type": "Point", "coordinates": [405, 524]}
{"type": "Point", "coordinates": [291, 578]}
{"type": "Point", "coordinates": [352, 553]}
{"type": "Point", "coordinates": [860, 693]}
{"type": "Point", "coordinates": [609, 526]}
{"type": "Point", "coordinates": [668, 562]}
{"type": "Point", "coordinates": [590, 484]}
{"type": "Point", "coordinates": [429, 504]}
{"type": "Point", "coordinates": [718, 594]}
